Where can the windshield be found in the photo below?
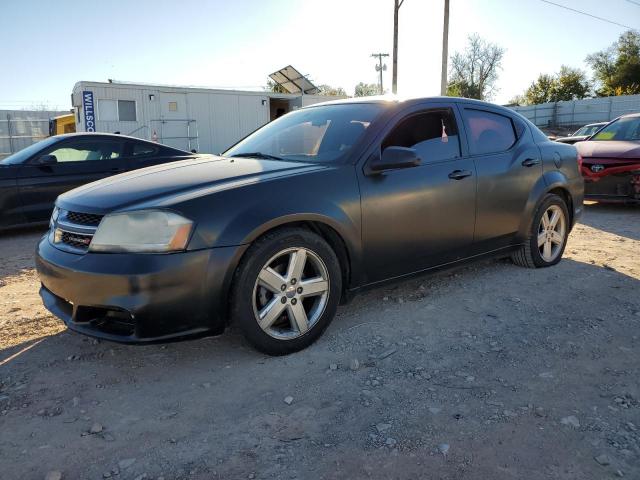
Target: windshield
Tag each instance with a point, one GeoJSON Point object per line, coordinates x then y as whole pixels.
{"type": "Point", "coordinates": [588, 130]}
{"type": "Point", "coordinates": [316, 134]}
{"type": "Point", "coordinates": [24, 154]}
{"type": "Point", "coordinates": [623, 129]}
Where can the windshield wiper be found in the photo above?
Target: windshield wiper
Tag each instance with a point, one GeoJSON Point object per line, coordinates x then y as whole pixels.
{"type": "Point", "coordinates": [257, 155]}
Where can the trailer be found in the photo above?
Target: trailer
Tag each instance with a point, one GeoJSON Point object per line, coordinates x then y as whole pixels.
{"type": "Point", "coordinates": [201, 119]}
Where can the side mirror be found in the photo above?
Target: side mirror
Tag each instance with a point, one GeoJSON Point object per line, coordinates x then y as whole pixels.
{"type": "Point", "coordinates": [394, 158]}
{"type": "Point", "coordinates": [47, 160]}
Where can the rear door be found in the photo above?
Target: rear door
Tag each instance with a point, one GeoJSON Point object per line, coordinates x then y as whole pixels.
{"type": "Point", "coordinates": [508, 164]}
{"type": "Point", "coordinates": [78, 161]}
{"type": "Point", "coordinates": [416, 218]}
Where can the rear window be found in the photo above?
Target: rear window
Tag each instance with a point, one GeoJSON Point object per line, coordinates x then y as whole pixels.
{"type": "Point", "coordinates": [488, 132]}
{"type": "Point", "coordinates": [144, 150]}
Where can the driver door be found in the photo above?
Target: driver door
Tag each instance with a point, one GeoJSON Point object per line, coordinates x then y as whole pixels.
{"type": "Point", "coordinates": [77, 162]}
{"type": "Point", "coordinates": [420, 217]}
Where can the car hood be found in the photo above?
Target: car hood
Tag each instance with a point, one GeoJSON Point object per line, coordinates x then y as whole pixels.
{"type": "Point", "coordinates": [162, 184]}
{"type": "Point", "coordinates": [609, 149]}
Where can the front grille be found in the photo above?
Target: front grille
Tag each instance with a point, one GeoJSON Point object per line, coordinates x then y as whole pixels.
{"type": "Point", "coordinates": [76, 240]}
{"type": "Point", "coordinates": [84, 218]}
{"type": "Point", "coordinates": [73, 231]}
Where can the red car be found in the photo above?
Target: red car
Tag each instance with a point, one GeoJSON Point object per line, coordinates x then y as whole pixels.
{"type": "Point", "coordinates": [611, 161]}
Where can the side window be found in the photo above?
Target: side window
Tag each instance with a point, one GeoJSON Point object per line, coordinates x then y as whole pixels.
{"type": "Point", "coordinates": [126, 110]}
{"type": "Point", "coordinates": [88, 150]}
{"type": "Point", "coordinates": [144, 150]}
{"type": "Point", "coordinates": [107, 110]}
{"type": "Point", "coordinates": [433, 134]}
{"type": "Point", "coordinates": [488, 132]}
{"type": "Point", "coordinates": [116, 110]}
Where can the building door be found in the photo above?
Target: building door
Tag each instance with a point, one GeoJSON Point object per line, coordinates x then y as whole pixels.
{"type": "Point", "coordinates": [174, 127]}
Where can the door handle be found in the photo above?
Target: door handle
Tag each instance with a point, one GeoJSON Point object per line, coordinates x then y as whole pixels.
{"type": "Point", "coordinates": [530, 162]}
{"type": "Point", "coordinates": [459, 174]}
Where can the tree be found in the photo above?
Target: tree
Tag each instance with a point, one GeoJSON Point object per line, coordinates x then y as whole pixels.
{"type": "Point", "coordinates": [327, 90]}
{"type": "Point", "coordinates": [568, 84]}
{"type": "Point", "coordinates": [366, 89]}
{"type": "Point", "coordinates": [517, 100]}
{"type": "Point", "coordinates": [274, 87]}
{"type": "Point", "coordinates": [474, 72]}
{"type": "Point", "coordinates": [571, 84]}
{"type": "Point", "coordinates": [330, 91]}
{"type": "Point", "coordinates": [617, 68]}
{"type": "Point", "coordinates": [540, 91]}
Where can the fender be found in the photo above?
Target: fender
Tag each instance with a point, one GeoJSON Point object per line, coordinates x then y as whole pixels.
{"type": "Point", "coordinates": [238, 216]}
{"type": "Point", "coordinates": [550, 180]}
{"type": "Point", "coordinates": [340, 223]}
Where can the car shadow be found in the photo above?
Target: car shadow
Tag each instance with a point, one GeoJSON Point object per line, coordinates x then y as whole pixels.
{"type": "Point", "coordinates": [364, 313]}
{"type": "Point", "coordinates": [618, 219]}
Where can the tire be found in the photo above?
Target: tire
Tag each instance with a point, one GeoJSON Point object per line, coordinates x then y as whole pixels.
{"type": "Point", "coordinates": [531, 255]}
{"type": "Point", "coordinates": [268, 298]}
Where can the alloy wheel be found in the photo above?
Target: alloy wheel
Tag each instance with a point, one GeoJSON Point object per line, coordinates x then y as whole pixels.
{"type": "Point", "coordinates": [551, 233]}
{"type": "Point", "coordinates": [290, 293]}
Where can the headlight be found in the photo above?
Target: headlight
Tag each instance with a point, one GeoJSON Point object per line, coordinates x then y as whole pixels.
{"type": "Point", "coordinates": [142, 231]}
{"type": "Point", "coordinates": [54, 217]}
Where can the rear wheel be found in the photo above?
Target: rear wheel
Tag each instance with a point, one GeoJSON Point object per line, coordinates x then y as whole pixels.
{"type": "Point", "coordinates": [286, 291]}
{"type": "Point", "coordinates": [548, 235]}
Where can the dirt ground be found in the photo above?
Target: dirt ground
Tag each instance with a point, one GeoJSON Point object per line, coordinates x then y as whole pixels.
{"type": "Point", "coordinates": [488, 372]}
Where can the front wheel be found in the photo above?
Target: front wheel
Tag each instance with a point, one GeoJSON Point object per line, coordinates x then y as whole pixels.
{"type": "Point", "coordinates": [286, 291]}
{"type": "Point", "coordinates": [548, 235]}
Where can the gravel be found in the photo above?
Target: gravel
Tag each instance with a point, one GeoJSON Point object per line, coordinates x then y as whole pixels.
{"type": "Point", "coordinates": [470, 377]}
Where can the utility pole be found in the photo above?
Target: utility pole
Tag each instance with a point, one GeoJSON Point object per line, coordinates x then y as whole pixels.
{"type": "Point", "coordinates": [380, 67]}
{"type": "Point", "coordinates": [445, 49]}
{"type": "Point", "coordinates": [394, 80]}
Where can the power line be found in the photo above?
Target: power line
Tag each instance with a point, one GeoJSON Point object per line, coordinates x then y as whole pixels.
{"type": "Point", "coordinates": [588, 14]}
{"type": "Point", "coordinates": [380, 67]}
{"type": "Point", "coordinates": [635, 3]}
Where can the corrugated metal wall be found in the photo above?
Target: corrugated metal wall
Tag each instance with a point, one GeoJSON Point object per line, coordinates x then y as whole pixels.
{"type": "Point", "coordinates": [218, 118]}
{"type": "Point", "coordinates": [580, 112]}
{"type": "Point", "coordinates": [21, 128]}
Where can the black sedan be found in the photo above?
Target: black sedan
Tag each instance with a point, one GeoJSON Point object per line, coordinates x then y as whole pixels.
{"type": "Point", "coordinates": [32, 179]}
{"type": "Point", "coordinates": [312, 207]}
{"type": "Point", "coordinates": [582, 134]}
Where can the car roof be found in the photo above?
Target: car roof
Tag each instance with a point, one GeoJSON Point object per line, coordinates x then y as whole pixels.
{"type": "Point", "coordinates": [115, 136]}
{"type": "Point", "coordinates": [396, 100]}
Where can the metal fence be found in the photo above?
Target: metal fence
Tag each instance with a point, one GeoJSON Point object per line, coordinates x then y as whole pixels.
{"type": "Point", "coordinates": [580, 112]}
{"type": "Point", "coordinates": [21, 128]}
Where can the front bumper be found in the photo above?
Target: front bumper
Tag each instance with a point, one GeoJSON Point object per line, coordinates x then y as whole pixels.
{"type": "Point", "coordinates": [137, 298]}
{"type": "Point", "coordinates": [620, 188]}
{"type": "Point", "coordinates": [617, 180]}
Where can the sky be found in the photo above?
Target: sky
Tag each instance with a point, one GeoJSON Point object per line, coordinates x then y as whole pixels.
{"type": "Point", "coordinates": [47, 46]}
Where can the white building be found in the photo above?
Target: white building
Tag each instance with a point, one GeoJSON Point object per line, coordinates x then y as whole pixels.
{"type": "Point", "coordinates": [202, 119]}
